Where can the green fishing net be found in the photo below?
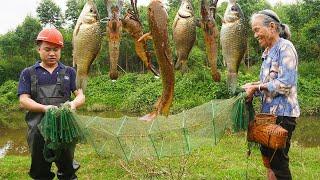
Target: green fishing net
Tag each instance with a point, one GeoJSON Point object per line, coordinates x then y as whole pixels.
{"type": "Point", "coordinates": [60, 129]}
{"type": "Point", "coordinates": [175, 135]}
{"type": "Point", "coordinates": [131, 138]}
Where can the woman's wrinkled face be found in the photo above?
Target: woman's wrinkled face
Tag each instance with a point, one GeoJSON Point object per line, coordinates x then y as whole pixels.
{"type": "Point", "coordinates": [262, 33]}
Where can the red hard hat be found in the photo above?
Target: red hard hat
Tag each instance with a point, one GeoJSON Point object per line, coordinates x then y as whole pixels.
{"type": "Point", "coordinates": [51, 35]}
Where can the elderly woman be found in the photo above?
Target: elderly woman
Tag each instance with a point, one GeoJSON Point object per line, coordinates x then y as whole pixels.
{"type": "Point", "coordinates": [277, 86]}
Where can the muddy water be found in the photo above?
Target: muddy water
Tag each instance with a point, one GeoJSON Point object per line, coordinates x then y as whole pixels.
{"type": "Point", "coordinates": [13, 141]}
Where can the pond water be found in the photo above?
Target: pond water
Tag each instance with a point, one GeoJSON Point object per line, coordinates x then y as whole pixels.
{"type": "Point", "coordinates": [13, 140]}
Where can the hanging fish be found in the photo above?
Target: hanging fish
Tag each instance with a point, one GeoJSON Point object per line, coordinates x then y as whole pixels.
{"type": "Point", "coordinates": [211, 35]}
{"type": "Point", "coordinates": [233, 38]}
{"type": "Point", "coordinates": [158, 23]}
{"type": "Point", "coordinates": [86, 42]}
{"type": "Point", "coordinates": [184, 33]}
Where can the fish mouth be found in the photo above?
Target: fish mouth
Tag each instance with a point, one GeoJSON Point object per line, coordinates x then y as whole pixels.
{"type": "Point", "coordinates": [91, 19]}
{"type": "Point", "coordinates": [184, 16]}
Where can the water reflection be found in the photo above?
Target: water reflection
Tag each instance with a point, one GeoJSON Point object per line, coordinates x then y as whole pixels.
{"type": "Point", "coordinates": [13, 141]}
{"type": "Point", "coordinates": [4, 149]}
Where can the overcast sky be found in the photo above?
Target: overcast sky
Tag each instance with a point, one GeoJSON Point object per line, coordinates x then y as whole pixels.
{"type": "Point", "coordinates": [13, 12]}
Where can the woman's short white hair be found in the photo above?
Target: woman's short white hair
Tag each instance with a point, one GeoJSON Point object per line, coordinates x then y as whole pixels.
{"type": "Point", "coordinates": [270, 16]}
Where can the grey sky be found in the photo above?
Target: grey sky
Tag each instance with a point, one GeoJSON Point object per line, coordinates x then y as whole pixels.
{"type": "Point", "coordinates": [13, 12]}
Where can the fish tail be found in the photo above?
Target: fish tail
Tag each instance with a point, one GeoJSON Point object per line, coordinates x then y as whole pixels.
{"type": "Point", "coordinates": [81, 82]}
{"type": "Point", "coordinates": [178, 64]}
{"type": "Point", "coordinates": [216, 76]}
{"type": "Point", "coordinates": [182, 65]}
{"type": "Point", "coordinates": [232, 82]}
{"type": "Point", "coordinates": [113, 74]}
{"type": "Point", "coordinates": [149, 117]}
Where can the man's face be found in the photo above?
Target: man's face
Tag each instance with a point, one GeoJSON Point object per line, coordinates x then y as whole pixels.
{"type": "Point", "coordinates": [49, 53]}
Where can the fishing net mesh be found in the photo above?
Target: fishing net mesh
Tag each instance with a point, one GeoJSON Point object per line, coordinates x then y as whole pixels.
{"type": "Point", "coordinates": [175, 135]}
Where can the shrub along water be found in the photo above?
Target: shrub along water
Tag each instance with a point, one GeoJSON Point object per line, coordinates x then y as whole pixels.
{"type": "Point", "coordinates": [134, 92]}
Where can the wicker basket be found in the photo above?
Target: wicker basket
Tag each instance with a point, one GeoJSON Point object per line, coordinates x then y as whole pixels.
{"type": "Point", "coordinates": [265, 118]}
{"type": "Point", "coordinates": [270, 135]}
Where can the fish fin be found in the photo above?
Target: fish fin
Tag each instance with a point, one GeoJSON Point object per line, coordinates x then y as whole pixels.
{"type": "Point", "coordinates": [146, 36]}
{"type": "Point", "coordinates": [232, 82]}
{"type": "Point", "coordinates": [198, 23]}
{"type": "Point", "coordinates": [216, 77]}
{"type": "Point", "coordinates": [113, 75]}
{"type": "Point", "coordinates": [149, 117]}
{"type": "Point", "coordinates": [74, 63]}
{"type": "Point", "coordinates": [222, 19]}
{"type": "Point", "coordinates": [184, 67]}
{"type": "Point", "coordinates": [81, 82]}
{"type": "Point", "coordinates": [178, 64]}
{"type": "Point", "coordinates": [153, 69]}
{"type": "Point", "coordinates": [77, 28]}
{"type": "Point", "coordinates": [175, 22]}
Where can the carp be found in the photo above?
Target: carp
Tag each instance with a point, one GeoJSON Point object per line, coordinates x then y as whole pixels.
{"type": "Point", "coordinates": [233, 38]}
{"type": "Point", "coordinates": [184, 33]}
{"type": "Point", "coordinates": [211, 35]}
{"type": "Point", "coordinates": [158, 23]}
{"type": "Point", "coordinates": [86, 42]}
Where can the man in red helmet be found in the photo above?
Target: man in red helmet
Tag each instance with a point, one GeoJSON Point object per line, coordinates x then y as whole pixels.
{"type": "Point", "coordinates": [48, 84]}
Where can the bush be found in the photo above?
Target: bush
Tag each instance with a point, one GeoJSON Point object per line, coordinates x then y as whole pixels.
{"type": "Point", "coordinates": [134, 92]}
{"type": "Point", "coordinates": [11, 69]}
{"type": "Point", "coordinates": [8, 96]}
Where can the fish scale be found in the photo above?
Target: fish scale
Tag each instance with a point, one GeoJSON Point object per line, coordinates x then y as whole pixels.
{"type": "Point", "coordinates": [158, 18]}
{"type": "Point", "coordinates": [86, 42]}
{"type": "Point", "coordinates": [184, 33]}
{"type": "Point", "coordinates": [233, 39]}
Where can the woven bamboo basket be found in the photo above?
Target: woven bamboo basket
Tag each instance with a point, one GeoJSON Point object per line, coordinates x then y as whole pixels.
{"type": "Point", "coordinates": [265, 131]}
{"type": "Point", "coordinates": [270, 135]}
{"type": "Point", "coordinates": [265, 118]}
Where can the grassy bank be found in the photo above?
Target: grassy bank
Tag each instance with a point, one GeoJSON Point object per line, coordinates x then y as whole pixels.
{"type": "Point", "coordinates": [138, 93]}
{"type": "Point", "coordinates": [227, 160]}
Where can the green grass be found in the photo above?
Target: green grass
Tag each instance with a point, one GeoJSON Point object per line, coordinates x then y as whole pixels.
{"type": "Point", "coordinates": [227, 160]}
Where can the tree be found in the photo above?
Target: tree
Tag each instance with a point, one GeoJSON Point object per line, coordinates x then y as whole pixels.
{"type": "Point", "coordinates": [26, 35]}
{"type": "Point", "coordinates": [49, 13]}
{"type": "Point", "coordinates": [303, 21]}
{"type": "Point", "coordinates": [73, 11]}
{"type": "Point", "coordinates": [8, 45]}
{"type": "Point", "coordinates": [21, 41]}
{"type": "Point", "coordinates": [18, 48]}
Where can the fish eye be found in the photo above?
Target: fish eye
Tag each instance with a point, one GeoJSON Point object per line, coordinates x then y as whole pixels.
{"type": "Point", "coordinates": [233, 8]}
{"type": "Point", "coordinates": [91, 10]}
{"type": "Point", "coordinates": [188, 7]}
